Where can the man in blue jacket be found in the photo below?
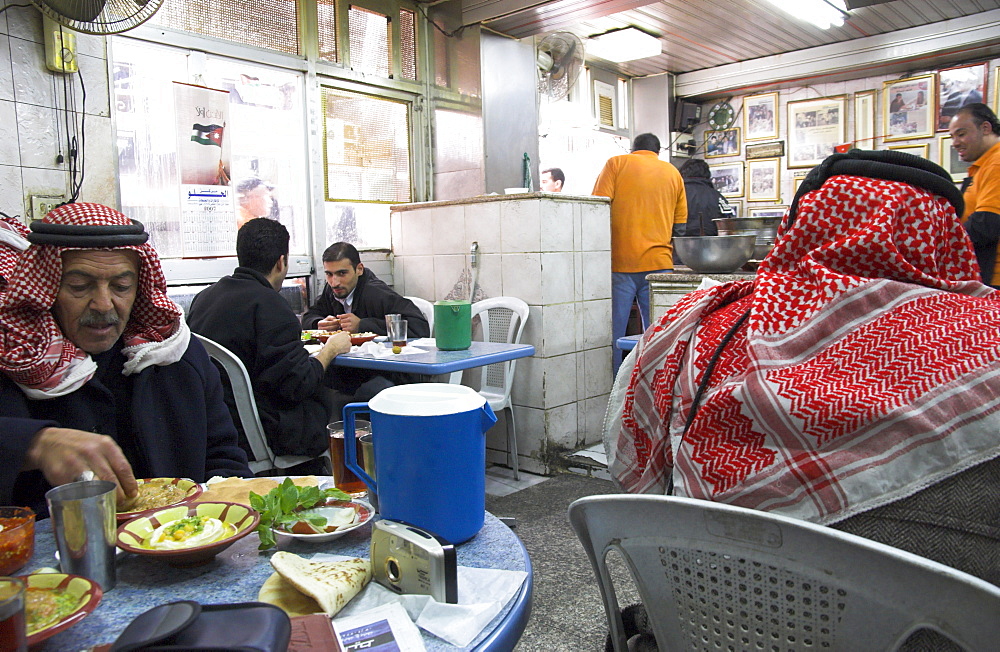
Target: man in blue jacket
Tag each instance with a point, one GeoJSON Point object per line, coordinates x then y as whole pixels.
{"type": "Point", "coordinates": [98, 372]}
{"type": "Point", "coordinates": [245, 313]}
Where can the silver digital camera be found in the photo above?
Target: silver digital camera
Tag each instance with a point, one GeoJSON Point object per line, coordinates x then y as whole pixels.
{"type": "Point", "coordinates": [408, 559]}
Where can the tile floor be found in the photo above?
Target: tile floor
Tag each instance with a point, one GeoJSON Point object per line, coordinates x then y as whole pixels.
{"type": "Point", "coordinates": [500, 480]}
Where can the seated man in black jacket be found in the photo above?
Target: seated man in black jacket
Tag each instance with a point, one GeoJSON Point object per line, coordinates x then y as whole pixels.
{"type": "Point", "coordinates": [356, 300]}
{"type": "Point", "coordinates": [244, 313]}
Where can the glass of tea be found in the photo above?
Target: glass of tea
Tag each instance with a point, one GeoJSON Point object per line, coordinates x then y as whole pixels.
{"type": "Point", "coordinates": [397, 333]}
{"type": "Point", "coordinates": [343, 477]}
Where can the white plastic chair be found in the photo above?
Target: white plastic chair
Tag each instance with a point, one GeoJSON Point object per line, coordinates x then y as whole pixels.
{"type": "Point", "coordinates": [263, 458]}
{"type": "Point", "coordinates": [427, 308]}
{"type": "Point", "coordinates": [502, 320]}
{"type": "Point", "coordinates": [714, 576]}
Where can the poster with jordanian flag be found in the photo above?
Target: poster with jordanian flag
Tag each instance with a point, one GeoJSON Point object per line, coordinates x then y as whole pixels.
{"type": "Point", "coordinates": [203, 152]}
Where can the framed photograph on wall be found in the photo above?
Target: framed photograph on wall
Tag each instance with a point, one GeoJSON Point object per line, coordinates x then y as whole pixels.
{"type": "Point", "coordinates": [764, 180]}
{"type": "Point", "coordinates": [917, 150]}
{"type": "Point", "coordinates": [768, 211]}
{"type": "Point", "coordinates": [958, 87]}
{"type": "Point", "coordinates": [908, 108]}
{"type": "Point", "coordinates": [949, 160]}
{"type": "Point", "coordinates": [727, 178]}
{"type": "Point", "coordinates": [760, 116]}
{"type": "Point", "coordinates": [722, 143]}
{"type": "Point", "coordinates": [815, 127]}
{"type": "Point", "coordinates": [864, 120]}
{"type": "Point", "coordinates": [797, 179]}
{"type": "Point", "coordinates": [737, 206]}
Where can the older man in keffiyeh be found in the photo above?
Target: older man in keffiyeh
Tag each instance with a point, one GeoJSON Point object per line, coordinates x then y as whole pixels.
{"type": "Point", "coordinates": [98, 370]}
{"type": "Point", "coordinates": [854, 382]}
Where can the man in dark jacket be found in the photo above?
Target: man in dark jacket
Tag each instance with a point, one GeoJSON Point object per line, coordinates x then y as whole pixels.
{"type": "Point", "coordinates": [705, 203]}
{"type": "Point", "coordinates": [98, 372]}
{"type": "Point", "coordinates": [356, 300]}
{"type": "Point", "coordinates": [244, 313]}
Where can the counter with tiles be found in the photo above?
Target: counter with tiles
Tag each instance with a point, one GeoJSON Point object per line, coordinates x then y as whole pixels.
{"type": "Point", "coordinates": [666, 288]}
{"type": "Point", "coordinates": [552, 250]}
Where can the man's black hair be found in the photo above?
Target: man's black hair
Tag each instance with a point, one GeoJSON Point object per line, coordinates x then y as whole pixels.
{"type": "Point", "coordinates": [695, 168]}
{"type": "Point", "coordinates": [981, 113]}
{"type": "Point", "coordinates": [245, 186]}
{"type": "Point", "coordinates": [260, 243]}
{"type": "Point", "coordinates": [341, 250]}
{"type": "Point", "coordinates": [556, 174]}
{"type": "Point", "coordinates": [647, 142]}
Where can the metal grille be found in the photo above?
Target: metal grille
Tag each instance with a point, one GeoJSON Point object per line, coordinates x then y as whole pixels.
{"type": "Point", "coordinates": [762, 607]}
{"type": "Point", "coordinates": [408, 44]}
{"type": "Point", "coordinates": [371, 41]}
{"type": "Point", "coordinates": [326, 15]}
{"type": "Point", "coordinates": [272, 25]}
{"type": "Point", "coordinates": [499, 323]}
{"type": "Point", "coordinates": [367, 147]}
{"type": "Point", "coordinates": [442, 69]}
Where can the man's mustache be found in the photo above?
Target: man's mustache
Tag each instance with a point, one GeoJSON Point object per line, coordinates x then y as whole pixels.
{"type": "Point", "coordinates": [96, 318]}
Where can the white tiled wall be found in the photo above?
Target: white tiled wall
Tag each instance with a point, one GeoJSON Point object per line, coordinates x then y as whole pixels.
{"type": "Point", "coordinates": [31, 103]}
{"type": "Point", "coordinates": [554, 253]}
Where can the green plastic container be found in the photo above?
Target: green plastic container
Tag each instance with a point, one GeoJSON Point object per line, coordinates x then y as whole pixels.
{"type": "Point", "coordinates": [453, 325]}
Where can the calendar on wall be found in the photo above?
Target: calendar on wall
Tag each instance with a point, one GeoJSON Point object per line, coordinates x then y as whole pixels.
{"type": "Point", "coordinates": [208, 221]}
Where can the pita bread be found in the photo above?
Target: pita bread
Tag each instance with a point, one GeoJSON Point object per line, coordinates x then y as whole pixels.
{"type": "Point", "coordinates": [331, 583]}
{"type": "Point", "coordinates": [279, 592]}
{"type": "Point", "coordinates": [237, 490]}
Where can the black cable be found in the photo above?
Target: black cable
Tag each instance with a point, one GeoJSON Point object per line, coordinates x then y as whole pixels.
{"type": "Point", "coordinates": [82, 152]}
{"type": "Point", "coordinates": [9, 6]}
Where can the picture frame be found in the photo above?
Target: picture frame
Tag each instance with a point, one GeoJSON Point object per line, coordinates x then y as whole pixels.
{"type": "Point", "coordinates": [727, 178]}
{"type": "Point", "coordinates": [768, 211]}
{"type": "Point", "coordinates": [815, 128]}
{"type": "Point", "coordinates": [908, 108]}
{"type": "Point", "coordinates": [949, 160]}
{"type": "Point", "coordinates": [764, 180]}
{"type": "Point", "coordinates": [957, 87]}
{"type": "Point", "coordinates": [737, 206]}
{"type": "Point", "coordinates": [797, 178]}
{"type": "Point", "coordinates": [725, 142]}
{"type": "Point", "coordinates": [919, 149]}
{"type": "Point", "coordinates": [760, 116]}
{"type": "Point", "coordinates": [766, 150]}
{"type": "Point", "coordinates": [864, 119]}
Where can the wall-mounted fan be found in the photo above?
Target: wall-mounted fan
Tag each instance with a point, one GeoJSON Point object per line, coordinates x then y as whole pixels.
{"type": "Point", "coordinates": [99, 16]}
{"type": "Point", "coordinates": [560, 58]}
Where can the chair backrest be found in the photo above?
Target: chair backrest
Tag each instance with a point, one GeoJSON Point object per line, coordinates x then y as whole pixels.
{"type": "Point", "coordinates": [427, 308]}
{"type": "Point", "coordinates": [502, 320]}
{"type": "Point", "coordinates": [246, 406]}
{"type": "Point", "coordinates": [721, 577]}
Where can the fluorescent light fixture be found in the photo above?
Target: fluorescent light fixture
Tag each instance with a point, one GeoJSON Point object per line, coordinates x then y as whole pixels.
{"type": "Point", "coordinates": [821, 13]}
{"type": "Point", "coordinates": [623, 45]}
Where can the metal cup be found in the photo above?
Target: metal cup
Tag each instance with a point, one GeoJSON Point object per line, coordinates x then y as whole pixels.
{"type": "Point", "coordinates": [13, 633]}
{"type": "Point", "coordinates": [83, 520]}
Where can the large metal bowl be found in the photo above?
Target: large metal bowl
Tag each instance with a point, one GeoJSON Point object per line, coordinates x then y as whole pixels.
{"type": "Point", "coordinates": [715, 254]}
{"type": "Point", "coordinates": [765, 228]}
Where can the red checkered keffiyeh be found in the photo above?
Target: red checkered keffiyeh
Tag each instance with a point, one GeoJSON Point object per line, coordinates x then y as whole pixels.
{"type": "Point", "coordinates": [33, 351]}
{"type": "Point", "coordinates": [868, 367]}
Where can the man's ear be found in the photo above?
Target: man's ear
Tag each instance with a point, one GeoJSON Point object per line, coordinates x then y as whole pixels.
{"type": "Point", "coordinates": [360, 269]}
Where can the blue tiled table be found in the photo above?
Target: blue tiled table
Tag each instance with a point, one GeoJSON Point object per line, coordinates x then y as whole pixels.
{"type": "Point", "coordinates": [236, 574]}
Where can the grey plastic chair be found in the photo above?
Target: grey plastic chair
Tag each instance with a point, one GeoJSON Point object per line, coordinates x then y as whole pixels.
{"type": "Point", "coordinates": [714, 576]}
{"type": "Point", "coordinates": [263, 458]}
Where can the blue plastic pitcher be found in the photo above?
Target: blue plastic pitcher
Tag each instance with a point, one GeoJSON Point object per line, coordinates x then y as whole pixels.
{"type": "Point", "coordinates": [430, 456]}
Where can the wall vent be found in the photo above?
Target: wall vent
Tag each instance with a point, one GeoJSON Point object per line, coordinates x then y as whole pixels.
{"type": "Point", "coordinates": [605, 105]}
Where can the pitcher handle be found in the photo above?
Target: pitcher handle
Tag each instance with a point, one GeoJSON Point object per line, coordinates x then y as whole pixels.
{"type": "Point", "coordinates": [351, 447]}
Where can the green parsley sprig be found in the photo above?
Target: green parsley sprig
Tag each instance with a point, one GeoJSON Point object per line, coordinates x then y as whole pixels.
{"type": "Point", "coordinates": [282, 504]}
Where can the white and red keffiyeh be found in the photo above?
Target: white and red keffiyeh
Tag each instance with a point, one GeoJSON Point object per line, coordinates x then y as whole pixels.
{"type": "Point", "coordinates": [34, 353]}
{"type": "Point", "coordinates": [867, 369]}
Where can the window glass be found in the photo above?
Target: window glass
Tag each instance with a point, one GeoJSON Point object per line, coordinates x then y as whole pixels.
{"type": "Point", "coordinates": [371, 42]}
{"type": "Point", "coordinates": [260, 133]}
{"type": "Point", "coordinates": [269, 24]}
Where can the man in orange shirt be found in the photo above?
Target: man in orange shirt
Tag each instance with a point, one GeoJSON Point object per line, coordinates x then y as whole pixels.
{"type": "Point", "coordinates": [975, 134]}
{"type": "Point", "coordinates": [648, 205]}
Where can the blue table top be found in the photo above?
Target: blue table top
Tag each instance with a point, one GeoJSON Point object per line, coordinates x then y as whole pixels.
{"type": "Point", "coordinates": [237, 573]}
{"type": "Point", "coordinates": [435, 361]}
{"type": "Point", "coordinates": [628, 342]}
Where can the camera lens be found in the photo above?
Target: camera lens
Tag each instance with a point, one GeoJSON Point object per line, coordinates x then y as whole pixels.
{"type": "Point", "coordinates": [392, 569]}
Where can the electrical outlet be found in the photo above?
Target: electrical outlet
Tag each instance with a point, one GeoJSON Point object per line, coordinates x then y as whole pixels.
{"type": "Point", "coordinates": [42, 204]}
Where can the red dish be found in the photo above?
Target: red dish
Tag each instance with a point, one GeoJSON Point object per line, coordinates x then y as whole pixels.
{"type": "Point", "coordinates": [88, 595]}
{"type": "Point", "coordinates": [361, 338]}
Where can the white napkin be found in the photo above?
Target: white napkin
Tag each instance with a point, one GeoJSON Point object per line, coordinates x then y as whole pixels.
{"type": "Point", "coordinates": [379, 350]}
{"type": "Point", "coordinates": [482, 593]}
